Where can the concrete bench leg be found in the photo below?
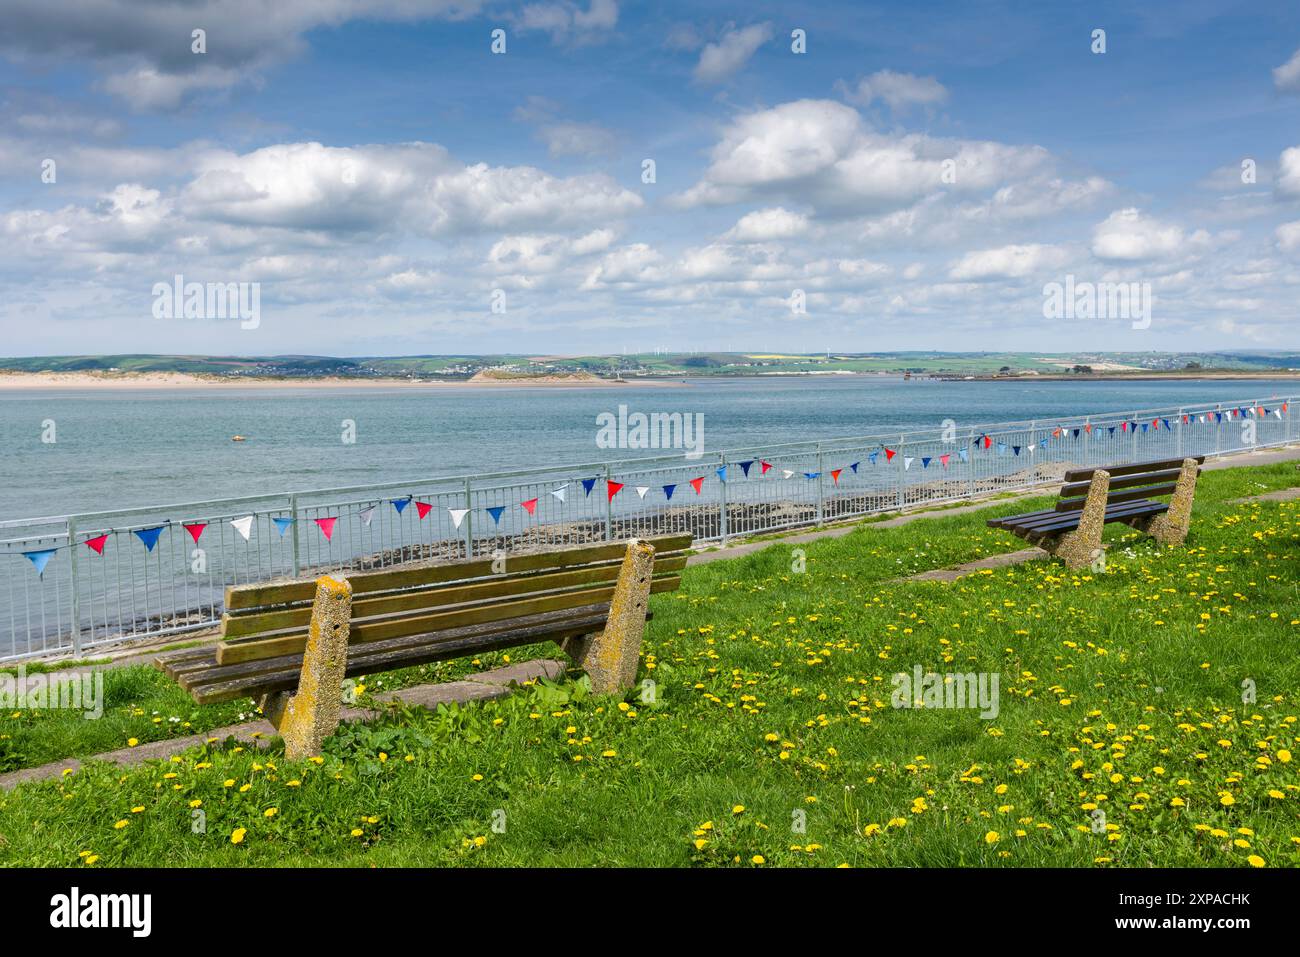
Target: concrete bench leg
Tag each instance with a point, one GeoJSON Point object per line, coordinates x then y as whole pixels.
{"type": "Point", "coordinates": [1079, 548]}
{"type": "Point", "coordinates": [307, 717]}
{"type": "Point", "coordinates": [1172, 527]}
{"type": "Point", "coordinates": [610, 658]}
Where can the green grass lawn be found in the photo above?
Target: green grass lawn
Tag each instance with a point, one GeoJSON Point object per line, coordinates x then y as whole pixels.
{"type": "Point", "coordinates": [1122, 738]}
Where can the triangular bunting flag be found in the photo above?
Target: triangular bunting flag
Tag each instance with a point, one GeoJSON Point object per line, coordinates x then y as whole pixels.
{"type": "Point", "coordinates": [944, 458]}
{"type": "Point", "coordinates": [697, 484]}
{"type": "Point", "coordinates": [745, 466]}
{"type": "Point", "coordinates": [366, 515]}
{"type": "Point", "coordinates": [722, 473]}
{"type": "Point", "coordinates": [588, 485]}
{"type": "Point", "coordinates": [40, 559]}
{"type": "Point", "coordinates": [907, 462]}
{"type": "Point", "coordinates": [786, 473]}
{"type": "Point", "coordinates": [835, 475]}
{"type": "Point", "coordinates": [962, 454]}
{"type": "Point", "coordinates": [401, 503]}
{"type": "Point", "coordinates": [496, 510]}
{"type": "Point", "coordinates": [149, 536]}
{"type": "Point", "coordinates": [668, 490]}
{"type": "Point", "coordinates": [854, 467]}
{"type": "Point", "coordinates": [195, 529]}
{"type": "Point", "coordinates": [423, 508]}
{"type": "Point", "coordinates": [641, 490]}
{"type": "Point", "coordinates": [925, 461]}
{"type": "Point", "coordinates": [244, 526]}
{"type": "Point", "coordinates": [612, 489]}
{"type": "Point", "coordinates": [457, 515]}
{"type": "Point", "coordinates": [889, 455]}
{"type": "Point", "coordinates": [282, 523]}
{"type": "Point", "coordinates": [560, 492]}
{"type": "Point", "coordinates": [529, 506]}
{"type": "Point", "coordinates": [1015, 449]}
{"type": "Point", "coordinates": [96, 544]}
{"type": "Point", "coordinates": [326, 526]}
{"type": "Point", "coordinates": [764, 467]}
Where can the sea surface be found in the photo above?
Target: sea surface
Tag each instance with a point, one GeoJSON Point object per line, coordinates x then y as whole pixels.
{"type": "Point", "coordinates": [154, 447]}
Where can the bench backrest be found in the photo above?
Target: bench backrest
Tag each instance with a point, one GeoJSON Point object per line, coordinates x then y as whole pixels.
{"type": "Point", "coordinates": [270, 619]}
{"type": "Point", "coordinates": [1127, 482]}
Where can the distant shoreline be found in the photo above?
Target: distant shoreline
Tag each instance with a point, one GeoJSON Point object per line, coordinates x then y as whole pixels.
{"type": "Point", "coordinates": [37, 381]}
{"type": "Point", "coordinates": [166, 381]}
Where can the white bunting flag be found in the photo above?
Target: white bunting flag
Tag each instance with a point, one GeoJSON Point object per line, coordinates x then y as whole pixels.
{"type": "Point", "coordinates": [244, 526]}
{"type": "Point", "coordinates": [642, 489]}
{"type": "Point", "coordinates": [457, 515]}
{"type": "Point", "coordinates": [366, 515]}
{"type": "Point", "coordinates": [1278, 413]}
{"type": "Point", "coordinates": [1031, 448]}
{"type": "Point", "coordinates": [907, 462]}
{"type": "Point", "coordinates": [786, 473]}
{"type": "Point", "coordinates": [561, 491]}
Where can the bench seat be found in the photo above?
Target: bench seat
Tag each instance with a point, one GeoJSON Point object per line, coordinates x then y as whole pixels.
{"type": "Point", "coordinates": [1092, 498]}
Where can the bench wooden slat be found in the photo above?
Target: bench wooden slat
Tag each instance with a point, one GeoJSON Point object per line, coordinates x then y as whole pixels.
{"type": "Point", "coordinates": [1082, 475]}
{"type": "Point", "coordinates": [244, 625]}
{"type": "Point", "coordinates": [286, 679]}
{"type": "Point", "coordinates": [278, 593]}
{"type": "Point", "coordinates": [1128, 481]}
{"type": "Point", "coordinates": [1151, 491]}
{"type": "Point", "coordinates": [363, 630]}
{"type": "Point", "coordinates": [1070, 520]}
{"type": "Point", "coordinates": [214, 672]}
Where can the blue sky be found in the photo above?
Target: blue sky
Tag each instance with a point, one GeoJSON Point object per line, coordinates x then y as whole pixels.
{"type": "Point", "coordinates": [382, 175]}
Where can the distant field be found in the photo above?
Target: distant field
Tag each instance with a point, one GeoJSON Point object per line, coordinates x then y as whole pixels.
{"type": "Point", "coordinates": [651, 364]}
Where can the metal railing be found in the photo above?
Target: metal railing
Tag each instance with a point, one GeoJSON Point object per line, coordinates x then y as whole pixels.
{"type": "Point", "coordinates": [70, 583]}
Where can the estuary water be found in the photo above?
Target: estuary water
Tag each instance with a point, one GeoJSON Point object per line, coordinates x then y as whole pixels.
{"type": "Point", "coordinates": [115, 449]}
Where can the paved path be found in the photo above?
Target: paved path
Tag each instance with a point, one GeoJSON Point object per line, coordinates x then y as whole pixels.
{"type": "Point", "coordinates": [480, 687]}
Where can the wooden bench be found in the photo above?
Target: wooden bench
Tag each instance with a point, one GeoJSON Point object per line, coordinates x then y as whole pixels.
{"type": "Point", "coordinates": [1092, 498]}
{"type": "Point", "coordinates": [292, 643]}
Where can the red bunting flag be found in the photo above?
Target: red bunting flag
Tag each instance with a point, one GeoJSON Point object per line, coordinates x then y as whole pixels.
{"type": "Point", "coordinates": [195, 529]}
{"type": "Point", "coordinates": [944, 459]}
{"type": "Point", "coordinates": [423, 508]}
{"type": "Point", "coordinates": [612, 489]}
{"type": "Point", "coordinates": [326, 526]}
{"type": "Point", "coordinates": [1284, 406]}
{"type": "Point", "coordinates": [1088, 428]}
{"type": "Point", "coordinates": [1056, 432]}
{"type": "Point", "coordinates": [1155, 424]}
{"type": "Point", "coordinates": [768, 465]}
{"type": "Point", "coordinates": [530, 506]}
{"type": "Point", "coordinates": [1184, 420]}
{"type": "Point", "coordinates": [697, 484]}
{"type": "Point", "coordinates": [97, 543]}
{"type": "Point", "coordinates": [835, 475]}
{"type": "Point", "coordinates": [889, 455]}
{"type": "Point", "coordinates": [1123, 426]}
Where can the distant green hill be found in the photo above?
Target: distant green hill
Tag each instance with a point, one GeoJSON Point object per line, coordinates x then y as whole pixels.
{"type": "Point", "coordinates": [666, 364]}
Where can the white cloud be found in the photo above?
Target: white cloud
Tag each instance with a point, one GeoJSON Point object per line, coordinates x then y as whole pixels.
{"type": "Point", "coordinates": [720, 60]}
{"type": "Point", "coordinates": [1007, 262]}
{"type": "Point", "coordinates": [1127, 235]}
{"type": "Point", "coordinates": [1287, 181]}
{"type": "Point", "coordinates": [1287, 76]}
{"type": "Point", "coordinates": [566, 20]}
{"type": "Point", "coordinates": [764, 225]}
{"type": "Point", "coordinates": [1288, 236]}
{"type": "Point", "coordinates": [821, 153]}
{"type": "Point", "coordinates": [577, 139]}
{"type": "Point", "coordinates": [414, 186]}
{"type": "Point", "coordinates": [897, 90]}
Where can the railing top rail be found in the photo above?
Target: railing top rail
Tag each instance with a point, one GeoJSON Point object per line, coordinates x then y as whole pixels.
{"type": "Point", "coordinates": [883, 434]}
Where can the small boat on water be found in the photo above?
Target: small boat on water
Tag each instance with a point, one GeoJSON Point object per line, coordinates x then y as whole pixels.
{"type": "Point", "coordinates": [238, 438]}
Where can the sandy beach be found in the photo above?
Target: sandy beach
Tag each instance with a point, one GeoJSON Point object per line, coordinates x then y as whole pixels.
{"type": "Point", "coordinates": [35, 381]}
